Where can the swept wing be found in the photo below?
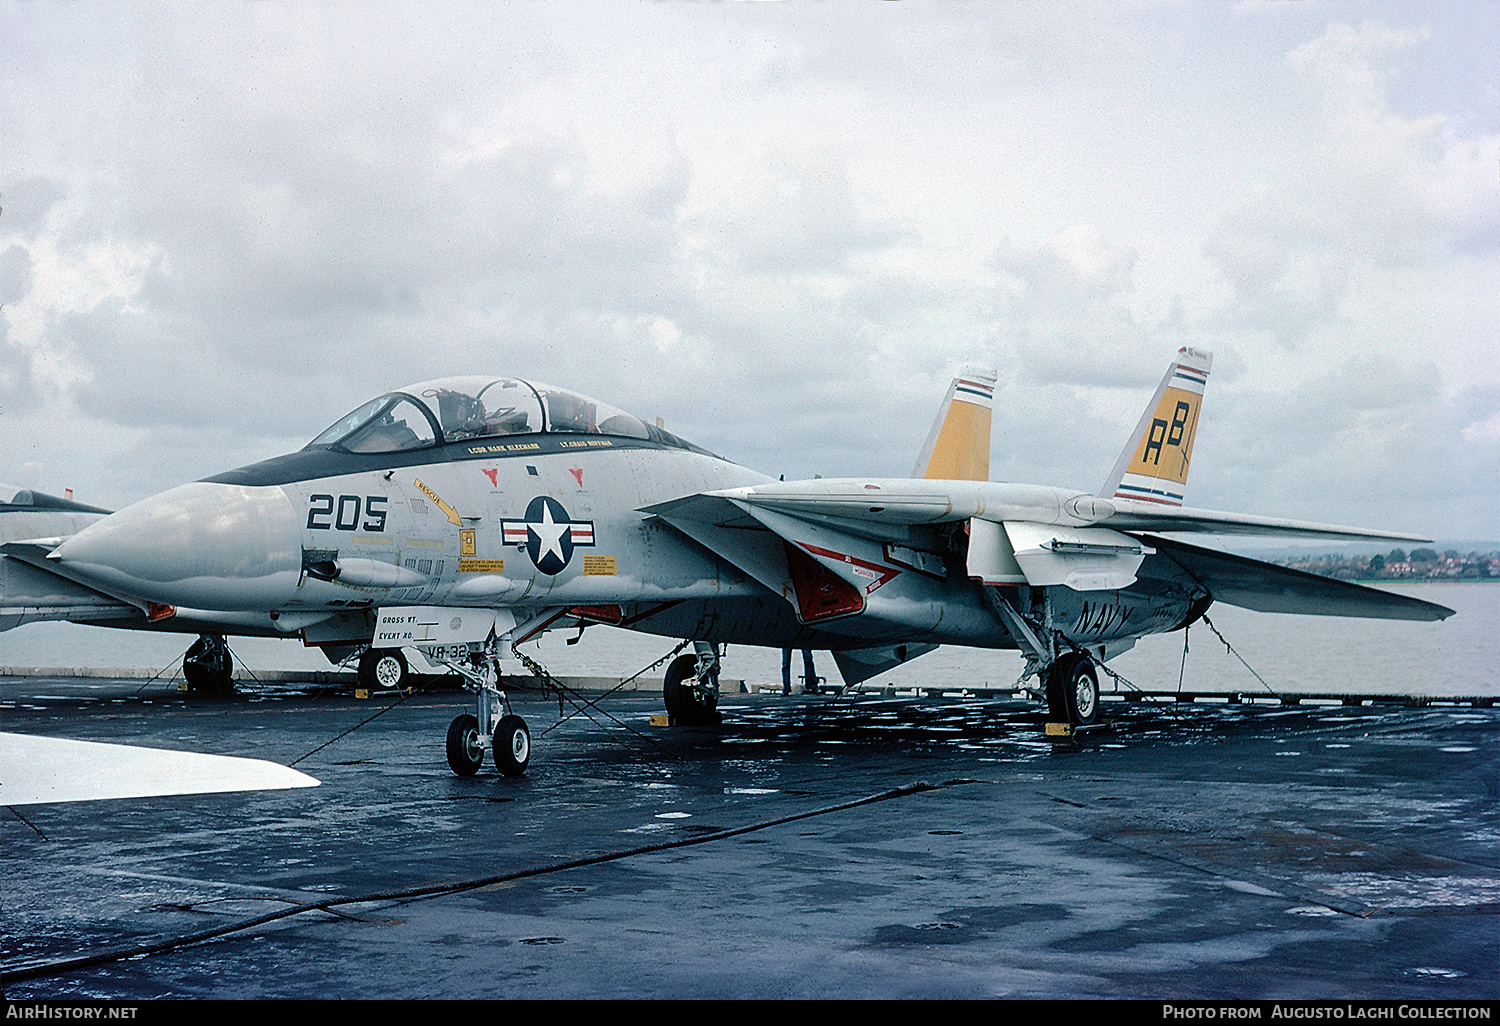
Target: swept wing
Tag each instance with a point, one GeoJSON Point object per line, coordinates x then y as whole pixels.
{"type": "Point", "coordinates": [1268, 588]}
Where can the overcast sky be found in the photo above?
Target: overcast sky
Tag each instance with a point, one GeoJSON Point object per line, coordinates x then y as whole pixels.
{"type": "Point", "coordinates": [779, 227]}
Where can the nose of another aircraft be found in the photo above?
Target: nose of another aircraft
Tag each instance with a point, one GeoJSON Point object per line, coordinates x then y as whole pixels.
{"type": "Point", "coordinates": [203, 545]}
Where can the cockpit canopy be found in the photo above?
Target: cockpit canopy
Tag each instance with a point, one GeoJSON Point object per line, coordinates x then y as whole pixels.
{"type": "Point", "coordinates": [461, 408]}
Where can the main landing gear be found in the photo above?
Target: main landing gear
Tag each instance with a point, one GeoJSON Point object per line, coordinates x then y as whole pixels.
{"type": "Point", "coordinates": [492, 725]}
{"type": "Point", "coordinates": [382, 668]}
{"type": "Point", "coordinates": [1073, 690]}
{"type": "Point", "coordinates": [691, 686]}
{"type": "Point", "coordinates": [1069, 677]}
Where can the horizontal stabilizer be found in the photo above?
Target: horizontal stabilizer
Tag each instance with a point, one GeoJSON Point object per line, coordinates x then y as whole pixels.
{"type": "Point", "coordinates": [1137, 516]}
{"type": "Point", "coordinates": [1268, 588]}
{"type": "Point", "coordinates": [36, 770]}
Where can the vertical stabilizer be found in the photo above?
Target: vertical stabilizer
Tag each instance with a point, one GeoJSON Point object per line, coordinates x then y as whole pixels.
{"type": "Point", "coordinates": [958, 446]}
{"type": "Point", "coordinates": [1154, 466]}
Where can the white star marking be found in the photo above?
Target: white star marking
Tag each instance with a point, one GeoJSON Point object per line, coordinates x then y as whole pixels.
{"type": "Point", "coordinates": [549, 535]}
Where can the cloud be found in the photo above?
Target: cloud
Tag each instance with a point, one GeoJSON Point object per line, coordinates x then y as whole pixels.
{"type": "Point", "coordinates": [15, 274]}
{"type": "Point", "coordinates": [786, 217]}
{"type": "Point", "coordinates": [1354, 68]}
{"type": "Point", "coordinates": [779, 228]}
{"type": "Point", "coordinates": [26, 204]}
{"type": "Point", "coordinates": [1373, 190]}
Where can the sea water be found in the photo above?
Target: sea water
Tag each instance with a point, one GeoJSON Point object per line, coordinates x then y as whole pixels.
{"type": "Point", "coordinates": [1457, 656]}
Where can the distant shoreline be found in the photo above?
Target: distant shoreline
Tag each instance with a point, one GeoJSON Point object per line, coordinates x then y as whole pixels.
{"type": "Point", "coordinates": [1414, 580]}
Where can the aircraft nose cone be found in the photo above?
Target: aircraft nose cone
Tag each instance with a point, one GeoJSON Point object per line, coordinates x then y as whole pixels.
{"type": "Point", "coordinates": [202, 545]}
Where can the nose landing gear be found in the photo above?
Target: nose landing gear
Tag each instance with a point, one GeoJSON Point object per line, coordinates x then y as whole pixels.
{"type": "Point", "coordinates": [492, 725]}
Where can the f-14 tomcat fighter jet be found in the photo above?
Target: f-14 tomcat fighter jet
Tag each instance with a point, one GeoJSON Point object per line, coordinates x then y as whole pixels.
{"type": "Point", "coordinates": [460, 515]}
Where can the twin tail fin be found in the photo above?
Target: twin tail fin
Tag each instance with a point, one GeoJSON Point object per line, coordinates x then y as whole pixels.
{"type": "Point", "coordinates": [1154, 465]}
{"type": "Point", "coordinates": [958, 446]}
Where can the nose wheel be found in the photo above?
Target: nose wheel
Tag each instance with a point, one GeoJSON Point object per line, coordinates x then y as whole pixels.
{"type": "Point", "coordinates": [465, 751]}
{"type": "Point", "coordinates": [491, 726]}
{"type": "Point", "coordinates": [512, 746]}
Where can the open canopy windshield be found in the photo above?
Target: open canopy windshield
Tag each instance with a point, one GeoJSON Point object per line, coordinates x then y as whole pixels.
{"type": "Point", "coordinates": [460, 408]}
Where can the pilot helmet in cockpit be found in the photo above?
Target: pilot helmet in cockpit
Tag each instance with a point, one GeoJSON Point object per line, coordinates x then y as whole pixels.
{"type": "Point", "coordinates": [462, 416]}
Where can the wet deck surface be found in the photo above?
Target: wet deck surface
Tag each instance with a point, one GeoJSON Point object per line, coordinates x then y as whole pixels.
{"type": "Point", "coordinates": [1192, 851]}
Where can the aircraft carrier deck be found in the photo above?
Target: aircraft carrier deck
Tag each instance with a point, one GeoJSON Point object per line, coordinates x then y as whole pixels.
{"type": "Point", "coordinates": [866, 846]}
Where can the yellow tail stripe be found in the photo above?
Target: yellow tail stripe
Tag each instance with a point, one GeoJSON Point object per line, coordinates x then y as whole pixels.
{"type": "Point", "coordinates": [962, 450]}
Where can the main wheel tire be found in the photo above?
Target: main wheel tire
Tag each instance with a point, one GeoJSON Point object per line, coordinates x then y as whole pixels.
{"type": "Point", "coordinates": [465, 755]}
{"type": "Point", "coordinates": [687, 703]}
{"type": "Point", "coordinates": [1073, 690]}
{"type": "Point", "coordinates": [208, 667]}
{"type": "Point", "coordinates": [1081, 691]}
{"type": "Point", "coordinates": [1057, 702]}
{"type": "Point", "coordinates": [382, 668]}
{"type": "Point", "coordinates": [512, 746]}
{"type": "Point", "coordinates": [671, 684]}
